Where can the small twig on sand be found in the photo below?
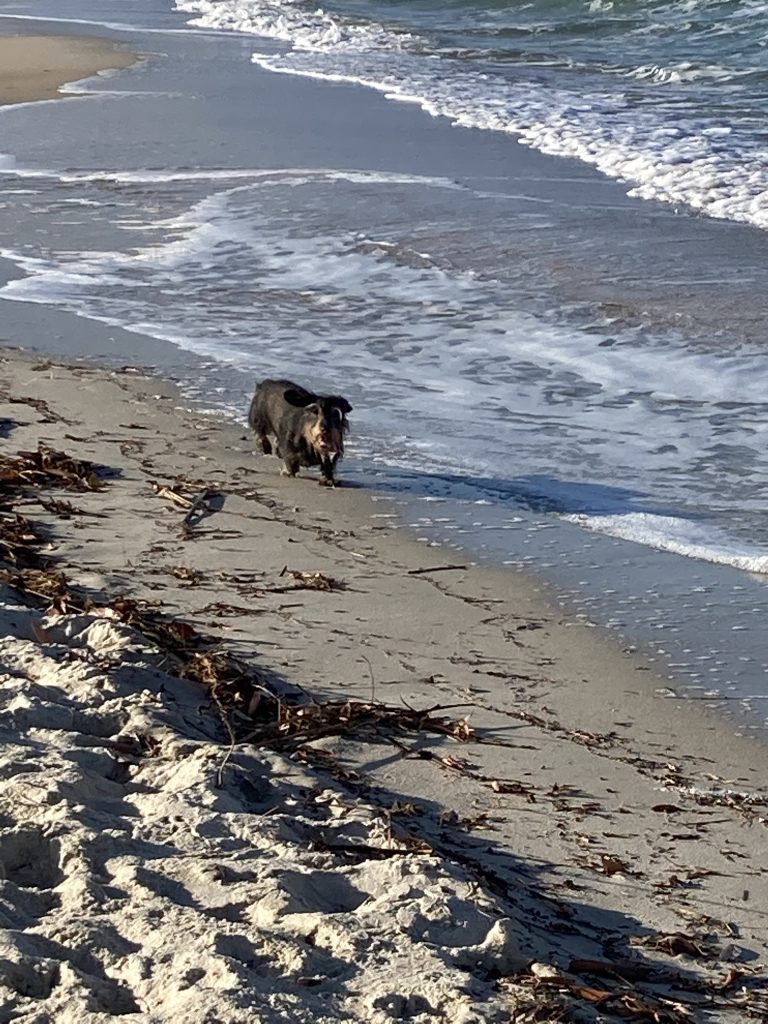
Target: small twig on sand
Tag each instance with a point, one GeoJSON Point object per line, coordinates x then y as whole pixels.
{"type": "Point", "coordinates": [373, 681]}
{"type": "Point", "coordinates": [435, 568]}
{"type": "Point", "coordinates": [170, 495]}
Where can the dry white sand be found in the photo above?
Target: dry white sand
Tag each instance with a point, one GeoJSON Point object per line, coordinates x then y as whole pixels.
{"type": "Point", "coordinates": [35, 67]}
{"type": "Point", "coordinates": [589, 817]}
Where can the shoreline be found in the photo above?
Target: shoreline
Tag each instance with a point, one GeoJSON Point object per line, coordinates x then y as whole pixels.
{"type": "Point", "coordinates": [662, 619]}
{"type": "Point", "coordinates": [81, 337]}
{"type": "Point", "coordinates": [578, 782]}
{"type": "Point", "coordinates": [36, 67]}
{"type": "Point", "coordinates": [579, 817]}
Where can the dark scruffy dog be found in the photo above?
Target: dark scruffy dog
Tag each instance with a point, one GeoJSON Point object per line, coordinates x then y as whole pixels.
{"type": "Point", "coordinates": [309, 428]}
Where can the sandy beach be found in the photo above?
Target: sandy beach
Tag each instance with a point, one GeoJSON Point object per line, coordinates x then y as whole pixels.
{"type": "Point", "coordinates": [267, 757]}
{"type": "Point", "coordinates": [567, 834]}
{"type": "Point", "coordinates": [35, 67]}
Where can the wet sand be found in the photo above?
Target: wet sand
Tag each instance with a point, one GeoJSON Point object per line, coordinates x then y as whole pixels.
{"type": "Point", "coordinates": [36, 67]}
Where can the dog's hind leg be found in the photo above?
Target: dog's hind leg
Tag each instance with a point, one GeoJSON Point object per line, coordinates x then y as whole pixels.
{"type": "Point", "coordinates": [266, 444]}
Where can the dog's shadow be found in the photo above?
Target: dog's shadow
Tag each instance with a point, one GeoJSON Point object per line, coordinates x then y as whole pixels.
{"type": "Point", "coordinates": [207, 504]}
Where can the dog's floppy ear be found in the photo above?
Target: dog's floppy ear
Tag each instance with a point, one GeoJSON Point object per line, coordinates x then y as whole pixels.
{"type": "Point", "coordinates": [298, 398]}
{"type": "Point", "coordinates": [340, 403]}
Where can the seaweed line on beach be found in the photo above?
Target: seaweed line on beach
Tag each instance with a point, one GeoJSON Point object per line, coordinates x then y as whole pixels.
{"type": "Point", "coordinates": [253, 711]}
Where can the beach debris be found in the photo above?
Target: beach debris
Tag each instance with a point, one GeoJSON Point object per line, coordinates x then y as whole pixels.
{"type": "Point", "coordinates": [129, 448]}
{"type": "Point", "coordinates": [693, 873]}
{"type": "Point", "coordinates": [169, 494]}
{"type": "Point", "coordinates": [544, 992]}
{"type": "Point", "coordinates": [223, 609]}
{"type": "Point", "coordinates": [298, 724]}
{"type": "Point", "coordinates": [134, 747]}
{"type": "Point", "coordinates": [739, 800]}
{"type": "Point", "coordinates": [751, 804]}
{"type": "Point", "coordinates": [677, 943]}
{"type": "Point", "coordinates": [468, 823]}
{"type": "Point", "coordinates": [436, 568]}
{"type": "Point", "coordinates": [250, 709]}
{"type": "Point", "coordinates": [611, 865]}
{"type": "Point", "coordinates": [190, 577]}
{"type": "Point", "coordinates": [406, 809]}
{"type": "Point", "coordinates": [308, 581]}
{"type": "Point", "coordinates": [47, 467]}
{"type": "Point", "coordinates": [65, 509]}
{"type": "Point", "coordinates": [513, 787]}
{"type": "Point", "coordinates": [19, 539]}
{"type": "Point", "coordinates": [204, 502]}
{"type": "Point", "coordinates": [47, 415]}
{"type": "Point", "coordinates": [43, 585]}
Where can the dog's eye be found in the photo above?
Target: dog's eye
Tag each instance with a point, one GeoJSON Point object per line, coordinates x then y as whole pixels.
{"type": "Point", "coordinates": [314, 409]}
{"type": "Point", "coordinates": [337, 414]}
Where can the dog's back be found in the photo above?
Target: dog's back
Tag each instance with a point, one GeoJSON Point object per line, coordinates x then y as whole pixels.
{"type": "Point", "coordinates": [269, 407]}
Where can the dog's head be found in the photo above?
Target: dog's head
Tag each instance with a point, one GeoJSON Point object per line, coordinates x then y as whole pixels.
{"type": "Point", "coordinates": [324, 423]}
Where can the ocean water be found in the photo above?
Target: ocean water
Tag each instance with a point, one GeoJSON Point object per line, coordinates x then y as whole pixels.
{"type": "Point", "coordinates": [668, 95]}
{"type": "Point", "coordinates": [532, 252]}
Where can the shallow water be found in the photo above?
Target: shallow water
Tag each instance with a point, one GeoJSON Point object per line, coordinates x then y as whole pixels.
{"type": "Point", "coordinates": [574, 376]}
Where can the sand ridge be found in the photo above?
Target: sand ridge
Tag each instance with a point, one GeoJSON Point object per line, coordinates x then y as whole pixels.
{"type": "Point", "coordinates": [589, 819]}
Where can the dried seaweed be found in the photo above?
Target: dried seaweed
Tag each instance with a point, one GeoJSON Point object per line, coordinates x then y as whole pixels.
{"type": "Point", "coordinates": [41, 406]}
{"type": "Point", "coordinates": [223, 609]}
{"type": "Point", "coordinates": [296, 725]}
{"type": "Point", "coordinates": [546, 989]}
{"type": "Point", "coordinates": [173, 495]}
{"type": "Point", "coordinates": [610, 865]}
{"type": "Point", "coordinates": [19, 540]}
{"type": "Point", "coordinates": [308, 581]}
{"type": "Point", "coordinates": [359, 852]}
{"type": "Point", "coordinates": [515, 787]}
{"type": "Point", "coordinates": [730, 798]}
{"type": "Point", "coordinates": [676, 943]}
{"type": "Point", "coordinates": [190, 577]}
{"type": "Point", "coordinates": [65, 509]}
{"type": "Point", "coordinates": [43, 585]}
{"type": "Point", "coordinates": [47, 467]}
